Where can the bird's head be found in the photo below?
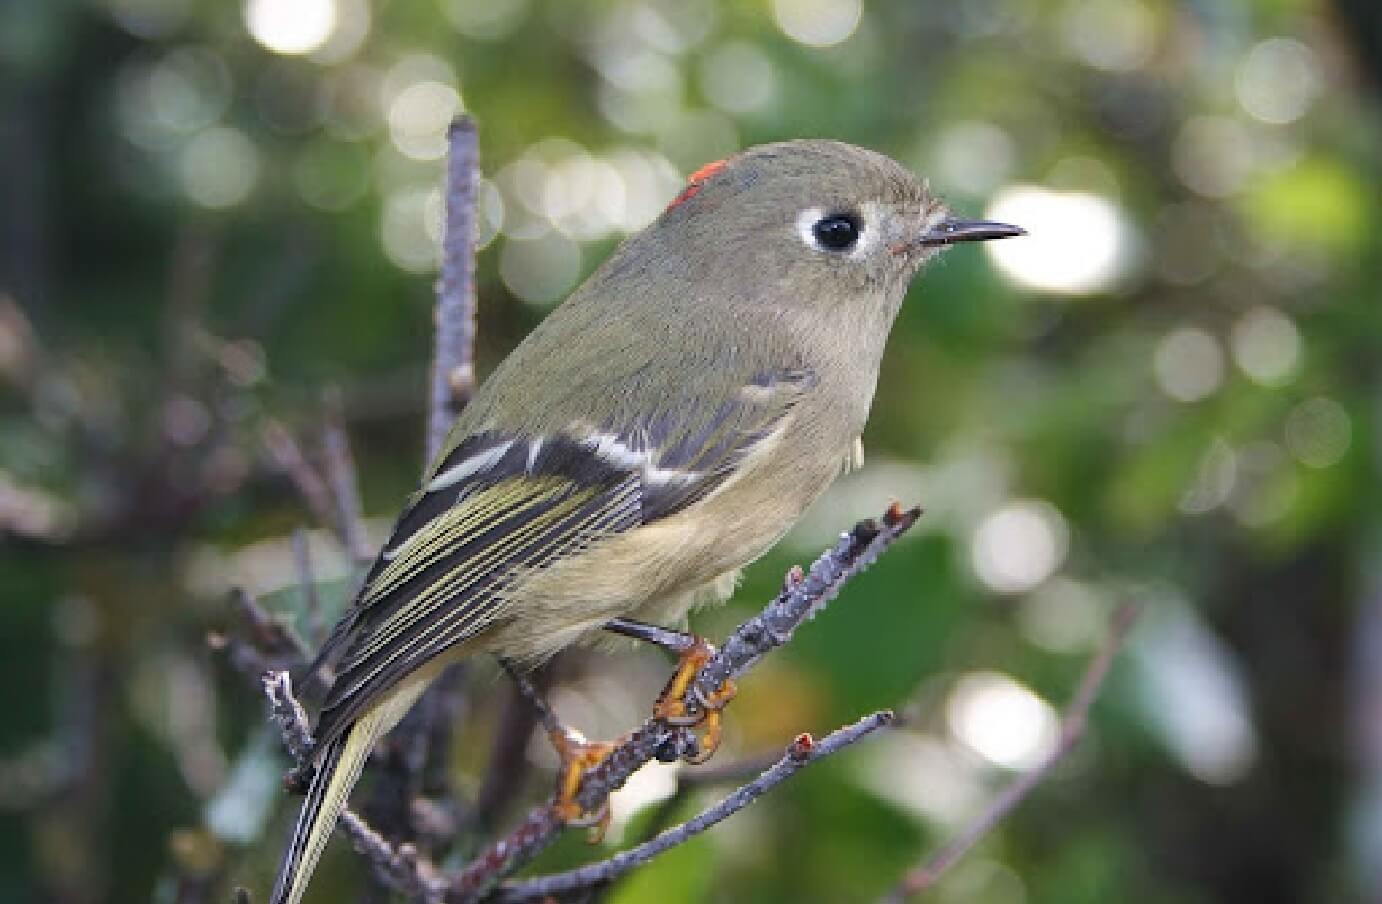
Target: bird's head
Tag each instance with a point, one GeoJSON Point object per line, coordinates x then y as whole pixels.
{"type": "Point", "coordinates": [823, 219]}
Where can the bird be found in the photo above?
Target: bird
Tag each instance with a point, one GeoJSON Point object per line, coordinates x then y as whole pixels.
{"type": "Point", "coordinates": [659, 430]}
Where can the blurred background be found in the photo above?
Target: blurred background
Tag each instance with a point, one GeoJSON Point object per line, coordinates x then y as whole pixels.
{"type": "Point", "coordinates": [220, 222]}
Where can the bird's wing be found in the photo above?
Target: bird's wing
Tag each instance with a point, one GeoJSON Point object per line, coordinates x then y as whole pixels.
{"type": "Point", "coordinates": [499, 503]}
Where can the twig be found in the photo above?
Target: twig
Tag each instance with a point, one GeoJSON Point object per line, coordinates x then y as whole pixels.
{"type": "Point", "coordinates": [1072, 728]}
{"type": "Point", "coordinates": [399, 867]}
{"type": "Point", "coordinates": [801, 753]}
{"type": "Point", "coordinates": [802, 597]}
{"type": "Point", "coordinates": [344, 483]}
{"type": "Point", "coordinates": [307, 582]}
{"type": "Point", "coordinates": [289, 457]}
{"type": "Point", "coordinates": [270, 646]}
{"type": "Point", "coordinates": [453, 368]}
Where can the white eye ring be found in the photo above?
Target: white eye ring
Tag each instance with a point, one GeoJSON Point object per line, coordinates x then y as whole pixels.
{"type": "Point", "coordinates": [809, 218]}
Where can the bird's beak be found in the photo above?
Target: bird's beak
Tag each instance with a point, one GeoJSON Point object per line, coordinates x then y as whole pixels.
{"type": "Point", "coordinates": [952, 230]}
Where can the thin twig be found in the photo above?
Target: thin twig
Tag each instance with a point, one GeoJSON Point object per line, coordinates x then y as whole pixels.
{"type": "Point", "coordinates": [399, 867]}
{"type": "Point", "coordinates": [802, 596]}
{"type": "Point", "coordinates": [307, 583]}
{"type": "Point", "coordinates": [801, 753]}
{"type": "Point", "coordinates": [1072, 728]}
{"type": "Point", "coordinates": [270, 645]}
{"type": "Point", "coordinates": [453, 367]}
{"type": "Point", "coordinates": [287, 454]}
{"type": "Point", "coordinates": [344, 482]}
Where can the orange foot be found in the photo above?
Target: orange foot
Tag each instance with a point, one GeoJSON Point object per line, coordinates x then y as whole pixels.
{"type": "Point", "coordinates": [577, 755]}
{"type": "Point", "coordinates": [671, 705]}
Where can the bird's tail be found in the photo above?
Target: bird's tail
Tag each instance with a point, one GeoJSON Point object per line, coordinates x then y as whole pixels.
{"type": "Point", "coordinates": [338, 769]}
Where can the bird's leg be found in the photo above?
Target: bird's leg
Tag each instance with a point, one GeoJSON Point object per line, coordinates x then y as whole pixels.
{"type": "Point", "coordinates": [577, 755]}
{"type": "Point", "coordinates": [693, 653]}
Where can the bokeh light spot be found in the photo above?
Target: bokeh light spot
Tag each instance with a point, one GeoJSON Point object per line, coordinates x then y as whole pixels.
{"type": "Point", "coordinates": [488, 20]}
{"type": "Point", "coordinates": [218, 167]}
{"type": "Point", "coordinates": [419, 116]}
{"type": "Point", "coordinates": [1077, 243]}
{"type": "Point", "coordinates": [1318, 432]}
{"type": "Point", "coordinates": [1114, 35]}
{"type": "Point", "coordinates": [818, 23]}
{"type": "Point", "coordinates": [737, 77]}
{"type": "Point", "coordinates": [290, 26]}
{"type": "Point", "coordinates": [1019, 546]}
{"type": "Point", "coordinates": [1266, 346]}
{"type": "Point", "coordinates": [1188, 364]}
{"type": "Point", "coordinates": [1278, 81]}
{"type": "Point", "coordinates": [1001, 720]}
{"type": "Point", "coordinates": [541, 270]}
{"type": "Point", "coordinates": [408, 240]}
{"type": "Point", "coordinates": [1214, 479]}
{"type": "Point", "coordinates": [1213, 155]}
{"type": "Point", "coordinates": [1192, 690]}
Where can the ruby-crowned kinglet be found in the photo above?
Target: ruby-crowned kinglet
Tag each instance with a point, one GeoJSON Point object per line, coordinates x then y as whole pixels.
{"type": "Point", "coordinates": [659, 430]}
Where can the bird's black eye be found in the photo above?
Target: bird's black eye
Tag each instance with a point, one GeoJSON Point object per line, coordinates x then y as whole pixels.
{"type": "Point", "coordinates": [837, 232]}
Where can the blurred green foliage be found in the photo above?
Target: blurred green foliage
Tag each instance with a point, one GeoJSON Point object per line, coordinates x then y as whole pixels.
{"type": "Point", "coordinates": [213, 212]}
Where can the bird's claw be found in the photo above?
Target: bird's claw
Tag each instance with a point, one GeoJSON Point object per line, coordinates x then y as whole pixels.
{"type": "Point", "coordinates": [671, 706]}
{"type": "Point", "coordinates": [577, 757]}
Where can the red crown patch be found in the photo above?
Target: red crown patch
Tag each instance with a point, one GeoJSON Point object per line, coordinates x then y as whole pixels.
{"type": "Point", "coordinates": [697, 180]}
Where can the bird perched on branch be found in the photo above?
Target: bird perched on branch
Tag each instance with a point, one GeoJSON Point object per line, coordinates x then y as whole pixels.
{"type": "Point", "coordinates": [662, 428]}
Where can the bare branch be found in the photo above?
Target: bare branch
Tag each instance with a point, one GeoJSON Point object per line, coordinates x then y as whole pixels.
{"type": "Point", "coordinates": [399, 867]}
{"type": "Point", "coordinates": [307, 582]}
{"type": "Point", "coordinates": [1072, 728]}
{"type": "Point", "coordinates": [453, 367]}
{"type": "Point", "coordinates": [287, 454]}
{"type": "Point", "coordinates": [802, 596]}
{"type": "Point", "coordinates": [801, 753]}
{"type": "Point", "coordinates": [270, 645]}
{"type": "Point", "coordinates": [344, 483]}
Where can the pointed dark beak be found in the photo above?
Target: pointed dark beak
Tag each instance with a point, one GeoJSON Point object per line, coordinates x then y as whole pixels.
{"type": "Point", "coordinates": [952, 230]}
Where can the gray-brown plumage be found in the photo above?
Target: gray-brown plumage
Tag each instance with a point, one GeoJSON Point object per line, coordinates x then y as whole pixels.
{"type": "Point", "coordinates": [659, 430]}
